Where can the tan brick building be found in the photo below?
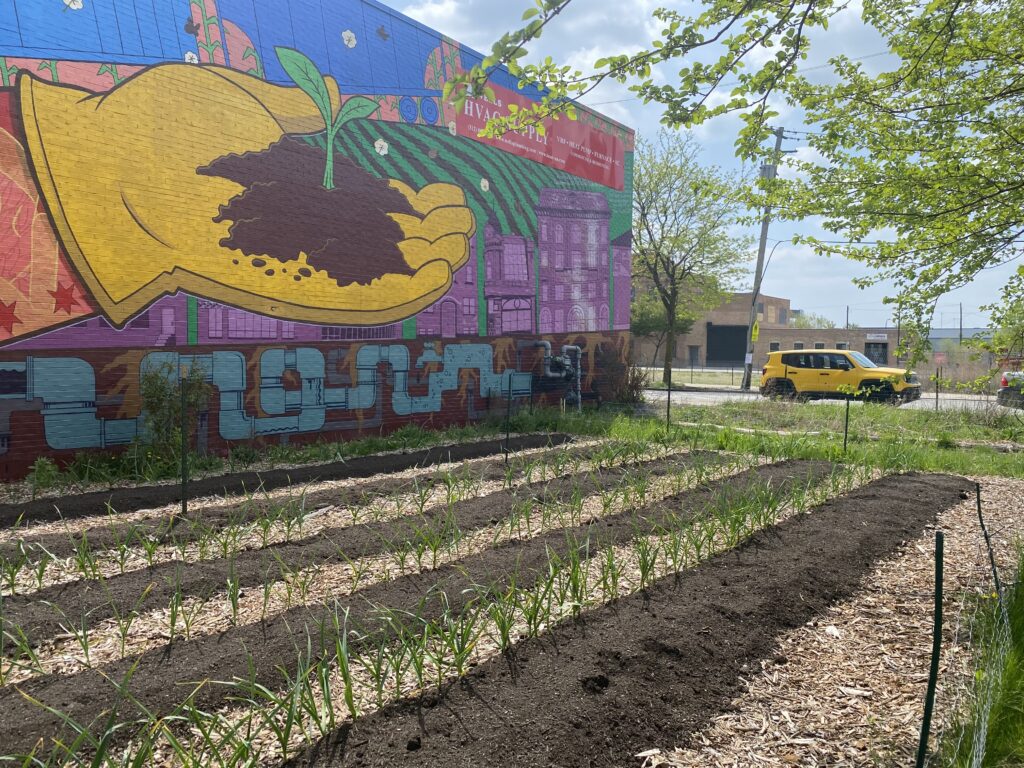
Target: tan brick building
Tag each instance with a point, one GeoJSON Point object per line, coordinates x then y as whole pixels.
{"type": "Point", "coordinates": [718, 339]}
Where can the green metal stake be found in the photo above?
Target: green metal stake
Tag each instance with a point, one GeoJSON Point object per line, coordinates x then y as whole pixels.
{"type": "Point", "coordinates": [846, 426]}
{"type": "Point", "coordinates": [508, 418]}
{"type": "Point", "coordinates": [668, 408]}
{"type": "Point", "coordinates": [184, 449]}
{"type": "Point", "coordinates": [933, 675]}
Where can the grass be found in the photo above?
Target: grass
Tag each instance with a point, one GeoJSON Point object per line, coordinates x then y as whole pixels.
{"type": "Point", "coordinates": [905, 439]}
{"type": "Point", "coordinates": [701, 377]}
{"type": "Point", "coordinates": [865, 419]}
{"type": "Point", "coordinates": [999, 684]}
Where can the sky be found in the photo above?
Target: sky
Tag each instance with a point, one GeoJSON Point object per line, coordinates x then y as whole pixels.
{"type": "Point", "coordinates": [591, 29]}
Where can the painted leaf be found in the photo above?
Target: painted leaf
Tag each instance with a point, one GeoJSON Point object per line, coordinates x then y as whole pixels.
{"type": "Point", "coordinates": [304, 73]}
{"type": "Point", "coordinates": [355, 108]}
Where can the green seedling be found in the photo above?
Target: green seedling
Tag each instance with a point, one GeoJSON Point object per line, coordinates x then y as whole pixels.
{"type": "Point", "coordinates": [342, 659]}
{"type": "Point", "coordinates": [234, 591]}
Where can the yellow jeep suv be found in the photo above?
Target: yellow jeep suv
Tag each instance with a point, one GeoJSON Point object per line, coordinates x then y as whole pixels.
{"type": "Point", "coordinates": [835, 373]}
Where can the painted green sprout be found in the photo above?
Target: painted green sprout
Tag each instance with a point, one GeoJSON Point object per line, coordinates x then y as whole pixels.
{"type": "Point", "coordinates": [301, 69]}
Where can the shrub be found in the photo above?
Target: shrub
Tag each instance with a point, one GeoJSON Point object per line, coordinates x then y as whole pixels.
{"type": "Point", "coordinates": [44, 475]}
{"type": "Point", "coordinates": [634, 382]}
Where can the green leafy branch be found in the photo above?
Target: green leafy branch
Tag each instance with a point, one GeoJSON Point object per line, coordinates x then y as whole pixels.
{"type": "Point", "coordinates": [304, 73]}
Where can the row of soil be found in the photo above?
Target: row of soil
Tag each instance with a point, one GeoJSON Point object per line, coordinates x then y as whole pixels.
{"type": "Point", "coordinates": [649, 670]}
{"type": "Point", "coordinates": [41, 613]}
{"type": "Point", "coordinates": [150, 496]}
{"type": "Point", "coordinates": [173, 529]}
{"type": "Point", "coordinates": [264, 650]}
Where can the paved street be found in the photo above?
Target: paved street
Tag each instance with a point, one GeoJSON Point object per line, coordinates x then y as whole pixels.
{"type": "Point", "coordinates": [949, 402]}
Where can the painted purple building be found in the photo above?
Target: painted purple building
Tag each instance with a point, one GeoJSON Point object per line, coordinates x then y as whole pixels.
{"type": "Point", "coordinates": [574, 261]}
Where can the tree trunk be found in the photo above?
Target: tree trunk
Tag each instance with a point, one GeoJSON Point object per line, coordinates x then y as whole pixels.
{"type": "Point", "coordinates": [670, 353]}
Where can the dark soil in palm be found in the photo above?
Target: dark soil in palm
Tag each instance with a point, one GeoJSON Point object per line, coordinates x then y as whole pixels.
{"type": "Point", "coordinates": [650, 671]}
{"type": "Point", "coordinates": [285, 211]}
{"type": "Point", "coordinates": [123, 500]}
{"type": "Point", "coordinates": [267, 649]}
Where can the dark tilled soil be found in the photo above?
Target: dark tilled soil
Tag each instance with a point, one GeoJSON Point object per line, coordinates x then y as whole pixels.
{"type": "Point", "coordinates": [147, 497]}
{"type": "Point", "coordinates": [156, 677]}
{"type": "Point", "coordinates": [642, 673]}
{"type": "Point", "coordinates": [172, 529]}
{"type": "Point", "coordinates": [40, 614]}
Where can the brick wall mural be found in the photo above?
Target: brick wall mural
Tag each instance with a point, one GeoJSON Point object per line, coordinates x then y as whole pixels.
{"type": "Point", "coordinates": [168, 199]}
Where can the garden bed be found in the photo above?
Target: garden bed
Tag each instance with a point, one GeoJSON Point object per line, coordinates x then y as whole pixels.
{"type": "Point", "coordinates": [154, 678]}
{"type": "Point", "coordinates": [651, 668]}
{"type": "Point", "coordinates": [569, 608]}
{"type": "Point", "coordinates": [124, 500]}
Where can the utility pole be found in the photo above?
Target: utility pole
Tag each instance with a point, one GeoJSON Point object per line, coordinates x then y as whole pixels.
{"type": "Point", "coordinates": [847, 317]}
{"type": "Point", "coordinates": [961, 323]}
{"type": "Point", "coordinates": [768, 171]}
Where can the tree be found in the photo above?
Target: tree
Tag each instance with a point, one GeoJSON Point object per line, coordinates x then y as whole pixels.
{"type": "Point", "coordinates": [683, 251]}
{"type": "Point", "coordinates": [647, 318]}
{"type": "Point", "coordinates": [811, 320]}
{"type": "Point", "coordinates": [916, 169]}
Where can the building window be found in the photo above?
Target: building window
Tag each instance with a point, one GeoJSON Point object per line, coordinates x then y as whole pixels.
{"type": "Point", "coordinates": [545, 321]}
{"type": "Point", "coordinates": [577, 320]}
{"type": "Point", "coordinates": [760, 308]}
{"type": "Point", "coordinates": [543, 257]}
{"type": "Point", "coordinates": [559, 233]}
{"type": "Point", "coordinates": [783, 319]}
{"type": "Point", "coordinates": [773, 346]}
{"type": "Point", "coordinates": [577, 234]}
{"type": "Point", "coordinates": [287, 330]}
{"type": "Point", "coordinates": [842, 345]}
{"type": "Point", "coordinates": [544, 230]}
{"type": "Point", "coordinates": [559, 292]}
{"type": "Point", "coordinates": [559, 258]}
{"type": "Point", "coordinates": [577, 260]}
{"type": "Point", "coordinates": [819, 345]}
{"type": "Point", "coordinates": [216, 329]}
{"type": "Point", "coordinates": [516, 315]}
{"type": "Point", "coordinates": [469, 274]}
{"type": "Point", "coordinates": [591, 290]}
{"type": "Point", "coordinates": [515, 263]}
{"type": "Point", "coordinates": [576, 292]}
{"type": "Point", "coordinates": [798, 345]}
{"type": "Point", "coordinates": [544, 292]}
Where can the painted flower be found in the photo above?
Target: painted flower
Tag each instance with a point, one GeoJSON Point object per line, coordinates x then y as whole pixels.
{"type": "Point", "coordinates": [74, 5]}
{"type": "Point", "coordinates": [191, 57]}
{"type": "Point", "coordinates": [453, 129]}
{"type": "Point", "coordinates": [381, 147]}
{"type": "Point", "coordinates": [349, 38]}
{"type": "Point", "coordinates": [485, 185]}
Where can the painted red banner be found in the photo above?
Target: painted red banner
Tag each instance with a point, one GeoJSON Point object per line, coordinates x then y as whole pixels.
{"type": "Point", "coordinates": [575, 146]}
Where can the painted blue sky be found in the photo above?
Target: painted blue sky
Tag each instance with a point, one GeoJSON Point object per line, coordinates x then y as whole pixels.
{"type": "Point", "coordinates": [591, 29]}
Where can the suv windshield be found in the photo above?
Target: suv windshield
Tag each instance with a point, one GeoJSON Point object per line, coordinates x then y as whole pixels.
{"type": "Point", "coordinates": [864, 361]}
